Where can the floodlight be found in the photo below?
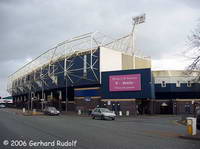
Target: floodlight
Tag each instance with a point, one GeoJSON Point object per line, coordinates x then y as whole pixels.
{"type": "Point", "coordinates": [139, 19]}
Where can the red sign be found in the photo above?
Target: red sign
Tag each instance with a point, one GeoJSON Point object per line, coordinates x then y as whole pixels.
{"type": "Point", "coordinates": [130, 82]}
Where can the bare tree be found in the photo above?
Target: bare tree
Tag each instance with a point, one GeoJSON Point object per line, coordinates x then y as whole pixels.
{"type": "Point", "coordinates": [194, 49]}
{"type": "Point", "coordinates": [192, 53]}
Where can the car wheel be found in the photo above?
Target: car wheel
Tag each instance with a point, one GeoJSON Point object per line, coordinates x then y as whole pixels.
{"type": "Point", "coordinates": [102, 117]}
{"type": "Point", "coordinates": [93, 117]}
{"type": "Point", "coordinates": [113, 118]}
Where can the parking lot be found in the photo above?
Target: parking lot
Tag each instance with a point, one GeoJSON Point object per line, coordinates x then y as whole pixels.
{"type": "Point", "coordinates": [133, 132]}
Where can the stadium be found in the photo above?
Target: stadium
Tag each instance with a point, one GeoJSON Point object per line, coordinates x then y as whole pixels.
{"type": "Point", "coordinates": [93, 70]}
{"type": "Point", "coordinates": [64, 72]}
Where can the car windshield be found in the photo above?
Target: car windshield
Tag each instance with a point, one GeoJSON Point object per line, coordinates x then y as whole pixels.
{"type": "Point", "coordinates": [105, 110]}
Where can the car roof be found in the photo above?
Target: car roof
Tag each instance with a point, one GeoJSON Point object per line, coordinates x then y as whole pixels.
{"type": "Point", "coordinates": [101, 108]}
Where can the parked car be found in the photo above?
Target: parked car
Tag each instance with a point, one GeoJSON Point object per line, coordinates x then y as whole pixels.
{"type": "Point", "coordinates": [103, 113]}
{"type": "Point", "coordinates": [198, 119]}
{"type": "Point", "coordinates": [2, 106]}
{"type": "Point", "coordinates": [51, 111]}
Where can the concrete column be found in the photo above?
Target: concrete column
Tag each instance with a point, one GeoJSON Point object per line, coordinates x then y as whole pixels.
{"type": "Point", "coordinates": [60, 99]}
{"type": "Point", "coordinates": [38, 96]}
{"type": "Point", "coordinates": [44, 96]}
{"type": "Point", "coordinates": [24, 102]}
{"type": "Point", "coordinates": [60, 95]}
{"type": "Point", "coordinates": [51, 95]}
{"type": "Point", "coordinates": [151, 107]}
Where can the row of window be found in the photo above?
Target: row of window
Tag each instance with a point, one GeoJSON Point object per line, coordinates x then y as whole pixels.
{"type": "Point", "coordinates": [178, 84]}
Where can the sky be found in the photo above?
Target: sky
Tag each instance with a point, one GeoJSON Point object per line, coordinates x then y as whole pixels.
{"type": "Point", "coordinates": [30, 27]}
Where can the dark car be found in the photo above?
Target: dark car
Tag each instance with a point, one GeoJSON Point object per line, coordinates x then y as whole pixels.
{"type": "Point", "coordinates": [51, 111]}
{"type": "Point", "coordinates": [198, 119]}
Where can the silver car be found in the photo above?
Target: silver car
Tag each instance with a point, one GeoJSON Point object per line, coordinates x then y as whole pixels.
{"type": "Point", "coordinates": [51, 111]}
{"type": "Point", "coordinates": [103, 113]}
{"type": "Point", "coordinates": [2, 106]}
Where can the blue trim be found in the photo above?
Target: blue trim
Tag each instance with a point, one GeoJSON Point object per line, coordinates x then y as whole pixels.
{"type": "Point", "coordinates": [87, 93]}
{"type": "Point", "coordinates": [172, 88]}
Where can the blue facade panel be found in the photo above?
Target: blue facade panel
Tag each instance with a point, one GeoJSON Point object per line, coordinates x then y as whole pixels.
{"type": "Point", "coordinates": [83, 93]}
{"type": "Point", "coordinates": [171, 91]}
{"type": "Point", "coordinates": [147, 89]}
{"type": "Point", "coordinates": [75, 73]}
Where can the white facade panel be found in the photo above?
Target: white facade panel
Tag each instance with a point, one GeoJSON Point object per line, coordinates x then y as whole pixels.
{"type": "Point", "coordinates": [173, 77]}
{"type": "Point", "coordinates": [110, 60]}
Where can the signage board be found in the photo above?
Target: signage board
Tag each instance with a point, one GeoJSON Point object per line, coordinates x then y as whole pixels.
{"type": "Point", "coordinates": [6, 100]}
{"type": "Point", "coordinates": [129, 82]}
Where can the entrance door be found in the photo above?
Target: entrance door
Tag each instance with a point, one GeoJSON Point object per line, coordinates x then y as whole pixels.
{"type": "Point", "coordinates": [143, 106]}
{"type": "Point", "coordinates": [166, 108]}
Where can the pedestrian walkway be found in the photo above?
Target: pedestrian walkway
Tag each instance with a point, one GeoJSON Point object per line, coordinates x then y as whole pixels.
{"type": "Point", "coordinates": [26, 112]}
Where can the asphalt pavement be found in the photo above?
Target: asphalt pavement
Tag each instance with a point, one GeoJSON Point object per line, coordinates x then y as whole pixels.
{"type": "Point", "coordinates": [70, 131]}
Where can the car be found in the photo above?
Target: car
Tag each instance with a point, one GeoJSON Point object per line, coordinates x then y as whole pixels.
{"type": "Point", "coordinates": [51, 111]}
{"type": "Point", "coordinates": [198, 119]}
{"type": "Point", "coordinates": [2, 106]}
{"type": "Point", "coordinates": [103, 113]}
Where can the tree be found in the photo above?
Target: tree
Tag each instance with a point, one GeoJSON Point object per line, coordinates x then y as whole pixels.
{"type": "Point", "coordinates": [194, 49]}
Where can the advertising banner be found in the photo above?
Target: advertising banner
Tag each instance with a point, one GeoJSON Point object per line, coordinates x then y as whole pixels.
{"type": "Point", "coordinates": [6, 101]}
{"type": "Point", "coordinates": [129, 82]}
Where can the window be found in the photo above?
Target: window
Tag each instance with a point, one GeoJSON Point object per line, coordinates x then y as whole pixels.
{"type": "Point", "coordinates": [187, 109]}
{"type": "Point", "coordinates": [163, 84]}
{"type": "Point", "coordinates": [178, 84]}
{"type": "Point", "coordinates": [189, 84]}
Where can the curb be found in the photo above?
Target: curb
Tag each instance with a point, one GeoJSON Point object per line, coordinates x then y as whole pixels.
{"type": "Point", "coordinates": [181, 122]}
{"type": "Point", "coordinates": [27, 114]}
{"type": "Point", "coordinates": [196, 137]}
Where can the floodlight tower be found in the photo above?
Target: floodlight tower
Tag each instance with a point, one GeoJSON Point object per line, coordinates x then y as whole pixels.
{"type": "Point", "coordinates": [135, 21]}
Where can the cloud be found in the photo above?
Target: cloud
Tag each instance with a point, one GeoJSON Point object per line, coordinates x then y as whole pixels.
{"type": "Point", "coordinates": [29, 28]}
{"type": "Point", "coordinates": [171, 62]}
{"type": "Point", "coordinates": [9, 67]}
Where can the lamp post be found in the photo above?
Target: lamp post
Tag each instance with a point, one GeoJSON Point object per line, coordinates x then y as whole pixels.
{"type": "Point", "coordinates": [42, 85]}
{"type": "Point", "coordinates": [42, 96]}
{"type": "Point", "coordinates": [65, 76]}
{"type": "Point", "coordinates": [135, 21]}
{"type": "Point", "coordinates": [66, 99]}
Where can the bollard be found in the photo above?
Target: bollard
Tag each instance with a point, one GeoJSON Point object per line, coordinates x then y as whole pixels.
{"type": "Point", "coordinates": [191, 125]}
{"type": "Point", "coordinates": [127, 113]}
{"type": "Point", "coordinates": [23, 110]}
{"type": "Point", "coordinates": [120, 113]}
{"type": "Point", "coordinates": [79, 112]}
{"type": "Point", "coordinates": [34, 111]}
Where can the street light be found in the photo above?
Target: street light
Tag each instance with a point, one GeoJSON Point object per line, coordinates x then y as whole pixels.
{"type": "Point", "coordinates": [139, 19]}
{"type": "Point", "coordinates": [135, 21]}
{"type": "Point", "coordinates": [65, 75]}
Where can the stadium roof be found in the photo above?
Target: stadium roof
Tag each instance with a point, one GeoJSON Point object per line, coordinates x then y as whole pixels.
{"type": "Point", "coordinates": [66, 49]}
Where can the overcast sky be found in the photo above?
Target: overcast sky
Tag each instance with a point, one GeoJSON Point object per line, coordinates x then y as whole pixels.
{"type": "Point", "coordinates": [30, 27]}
